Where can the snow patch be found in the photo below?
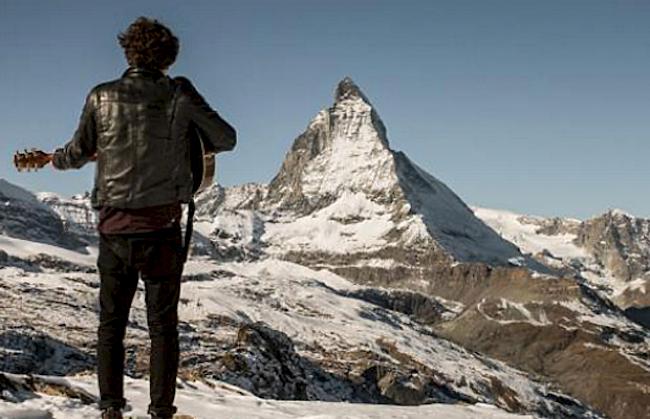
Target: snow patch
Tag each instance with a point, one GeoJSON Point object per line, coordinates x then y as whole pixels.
{"type": "Point", "coordinates": [26, 248]}
{"type": "Point", "coordinates": [352, 223]}
{"type": "Point", "coordinates": [511, 227]}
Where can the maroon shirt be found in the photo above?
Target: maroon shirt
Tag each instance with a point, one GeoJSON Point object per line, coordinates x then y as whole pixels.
{"type": "Point", "coordinates": [138, 220]}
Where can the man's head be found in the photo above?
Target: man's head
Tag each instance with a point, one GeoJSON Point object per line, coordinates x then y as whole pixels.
{"type": "Point", "coordinates": [149, 44]}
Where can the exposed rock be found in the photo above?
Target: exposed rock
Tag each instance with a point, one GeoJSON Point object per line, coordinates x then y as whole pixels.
{"type": "Point", "coordinates": [51, 262]}
{"type": "Point", "coordinates": [553, 226]}
{"type": "Point", "coordinates": [401, 389]}
{"type": "Point", "coordinates": [423, 308]}
{"type": "Point", "coordinates": [16, 388]}
{"type": "Point", "coordinates": [620, 242]}
{"type": "Point", "coordinates": [639, 315]}
{"type": "Point", "coordinates": [247, 196]}
{"type": "Point", "coordinates": [523, 322]}
{"type": "Point", "coordinates": [26, 351]}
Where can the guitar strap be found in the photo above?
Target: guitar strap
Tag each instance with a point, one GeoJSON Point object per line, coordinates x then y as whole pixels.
{"type": "Point", "coordinates": [189, 229]}
{"type": "Point", "coordinates": [191, 205]}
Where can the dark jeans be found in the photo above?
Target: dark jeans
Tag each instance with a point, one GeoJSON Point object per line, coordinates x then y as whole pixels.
{"type": "Point", "coordinates": [157, 257]}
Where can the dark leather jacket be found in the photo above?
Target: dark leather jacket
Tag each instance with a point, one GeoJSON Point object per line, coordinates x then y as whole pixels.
{"type": "Point", "coordinates": [138, 126]}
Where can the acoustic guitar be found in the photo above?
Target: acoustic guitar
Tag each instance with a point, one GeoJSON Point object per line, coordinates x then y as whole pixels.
{"type": "Point", "coordinates": [203, 163]}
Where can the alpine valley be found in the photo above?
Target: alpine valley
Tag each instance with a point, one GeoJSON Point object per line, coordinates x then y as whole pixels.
{"type": "Point", "coordinates": [354, 284]}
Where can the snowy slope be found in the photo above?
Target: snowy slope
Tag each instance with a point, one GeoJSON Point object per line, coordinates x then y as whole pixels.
{"type": "Point", "coordinates": [215, 399]}
{"type": "Point", "coordinates": [524, 231]}
{"type": "Point", "coordinates": [27, 249]}
{"type": "Point", "coordinates": [334, 335]}
{"type": "Point", "coordinates": [23, 216]}
{"type": "Point", "coordinates": [10, 191]}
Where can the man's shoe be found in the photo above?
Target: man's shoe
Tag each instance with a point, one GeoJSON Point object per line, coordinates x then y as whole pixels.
{"type": "Point", "coordinates": [112, 413]}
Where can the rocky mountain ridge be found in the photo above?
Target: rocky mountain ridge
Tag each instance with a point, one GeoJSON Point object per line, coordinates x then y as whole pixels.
{"type": "Point", "coordinates": [610, 251]}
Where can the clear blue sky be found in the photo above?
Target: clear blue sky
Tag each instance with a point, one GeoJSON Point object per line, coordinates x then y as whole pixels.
{"type": "Point", "coordinates": [535, 106]}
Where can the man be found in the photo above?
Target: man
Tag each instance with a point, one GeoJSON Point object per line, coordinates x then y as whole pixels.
{"type": "Point", "coordinates": [136, 129]}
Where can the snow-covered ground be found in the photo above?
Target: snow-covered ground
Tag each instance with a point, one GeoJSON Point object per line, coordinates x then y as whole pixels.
{"type": "Point", "coordinates": [27, 248]}
{"type": "Point", "coordinates": [219, 400]}
{"type": "Point", "coordinates": [352, 223]}
{"type": "Point", "coordinates": [309, 306]}
{"type": "Point", "coordinates": [513, 227]}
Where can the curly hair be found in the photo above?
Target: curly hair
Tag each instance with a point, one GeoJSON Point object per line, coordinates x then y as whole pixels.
{"type": "Point", "coordinates": [149, 44]}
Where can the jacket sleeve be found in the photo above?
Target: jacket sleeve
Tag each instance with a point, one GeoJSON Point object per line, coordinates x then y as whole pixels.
{"type": "Point", "coordinates": [219, 134]}
{"type": "Point", "coordinates": [83, 144]}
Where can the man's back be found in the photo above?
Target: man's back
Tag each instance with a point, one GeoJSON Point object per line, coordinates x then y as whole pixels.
{"type": "Point", "coordinates": [139, 162]}
{"type": "Point", "coordinates": [138, 126]}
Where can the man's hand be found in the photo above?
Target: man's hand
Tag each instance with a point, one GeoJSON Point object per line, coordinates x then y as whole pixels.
{"type": "Point", "coordinates": [59, 151]}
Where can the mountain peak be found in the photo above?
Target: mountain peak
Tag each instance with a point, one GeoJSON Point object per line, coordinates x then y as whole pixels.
{"type": "Point", "coordinates": [344, 149]}
{"type": "Point", "coordinates": [342, 166]}
{"type": "Point", "coordinates": [617, 212]}
{"type": "Point", "coordinates": [348, 89]}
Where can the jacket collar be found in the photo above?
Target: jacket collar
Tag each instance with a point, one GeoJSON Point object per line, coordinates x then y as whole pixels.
{"type": "Point", "coordinates": [142, 72]}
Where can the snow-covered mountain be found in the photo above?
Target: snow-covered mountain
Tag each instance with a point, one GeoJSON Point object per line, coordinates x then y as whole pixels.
{"type": "Point", "coordinates": [353, 276]}
{"type": "Point", "coordinates": [610, 251]}
{"type": "Point", "coordinates": [346, 202]}
{"type": "Point", "coordinates": [76, 213]}
{"type": "Point", "coordinates": [24, 217]}
{"type": "Point", "coordinates": [343, 190]}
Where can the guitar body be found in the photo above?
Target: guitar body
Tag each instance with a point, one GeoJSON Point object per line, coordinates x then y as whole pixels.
{"type": "Point", "coordinates": [202, 162]}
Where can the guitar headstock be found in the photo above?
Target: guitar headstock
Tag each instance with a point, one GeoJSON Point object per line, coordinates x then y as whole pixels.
{"type": "Point", "coordinates": [31, 159]}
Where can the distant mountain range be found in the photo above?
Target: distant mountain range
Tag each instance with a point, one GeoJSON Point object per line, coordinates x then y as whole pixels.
{"type": "Point", "coordinates": [611, 251]}
{"type": "Point", "coordinates": [356, 275]}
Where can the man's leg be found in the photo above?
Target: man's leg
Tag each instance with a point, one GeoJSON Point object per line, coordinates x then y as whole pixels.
{"type": "Point", "coordinates": [161, 271]}
{"type": "Point", "coordinates": [118, 284]}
